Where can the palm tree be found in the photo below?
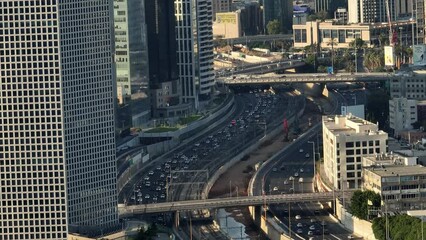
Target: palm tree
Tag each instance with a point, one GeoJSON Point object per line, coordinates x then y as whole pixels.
{"type": "Point", "coordinates": [373, 60]}
{"type": "Point", "coordinates": [332, 42]}
{"type": "Point", "coordinates": [358, 43]}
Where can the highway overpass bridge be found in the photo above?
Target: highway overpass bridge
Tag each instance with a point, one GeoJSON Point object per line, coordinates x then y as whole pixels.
{"type": "Point", "coordinates": [259, 38]}
{"type": "Point", "coordinates": [307, 78]}
{"type": "Point", "coordinates": [262, 68]}
{"type": "Point", "coordinates": [190, 205]}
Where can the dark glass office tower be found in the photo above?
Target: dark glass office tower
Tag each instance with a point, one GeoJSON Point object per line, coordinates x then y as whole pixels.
{"type": "Point", "coordinates": [164, 83]}
{"type": "Point", "coordinates": [160, 21]}
{"type": "Point", "coordinates": [281, 10]}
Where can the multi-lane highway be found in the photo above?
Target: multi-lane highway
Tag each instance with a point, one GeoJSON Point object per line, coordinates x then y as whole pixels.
{"type": "Point", "coordinates": [292, 172]}
{"type": "Point", "coordinates": [181, 174]}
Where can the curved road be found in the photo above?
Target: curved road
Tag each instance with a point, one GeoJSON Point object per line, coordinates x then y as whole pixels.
{"type": "Point", "coordinates": [283, 176]}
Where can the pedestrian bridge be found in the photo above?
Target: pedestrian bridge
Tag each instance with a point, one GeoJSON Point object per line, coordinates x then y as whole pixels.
{"type": "Point", "coordinates": [307, 78]}
{"type": "Point", "coordinates": [190, 205]}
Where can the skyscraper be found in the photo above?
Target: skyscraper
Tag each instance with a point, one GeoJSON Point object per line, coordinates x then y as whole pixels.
{"type": "Point", "coordinates": [130, 46]}
{"type": "Point", "coordinates": [195, 48]}
{"type": "Point", "coordinates": [57, 146]}
{"type": "Point", "coordinates": [163, 71]}
{"type": "Point", "coordinates": [281, 10]}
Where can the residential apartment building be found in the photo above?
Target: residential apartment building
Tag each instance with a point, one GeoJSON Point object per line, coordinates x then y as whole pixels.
{"type": "Point", "coordinates": [371, 11]}
{"type": "Point", "coordinates": [401, 187]}
{"type": "Point", "coordinates": [411, 85]}
{"type": "Point", "coordinates": [341, 15]}
{"type": "Point", "coordinates": [402, 114]}
{"type": "Point", "coordinates": [419, 13]}
{"type": "Point", "coordinates": [57, 140]}
{"type": "Point", "coordinates": [346, 139]}
{"type": "Point", "coordinates": [194, 34]}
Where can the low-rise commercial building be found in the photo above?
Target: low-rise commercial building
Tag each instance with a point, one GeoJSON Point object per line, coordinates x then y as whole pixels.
{"type": "Point", "coordinates": [401, 187]}
{"type": "Point", "coordinates": [346, 139]}
{"type": "Point", "coordinates": [323, 33]}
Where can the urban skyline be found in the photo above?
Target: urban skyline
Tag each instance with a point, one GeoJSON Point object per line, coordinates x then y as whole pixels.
{"type": "Point", "coordinates": [114, 112]}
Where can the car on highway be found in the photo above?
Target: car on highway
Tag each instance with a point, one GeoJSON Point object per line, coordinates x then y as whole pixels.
{"type": "Point", "coordinates": [301, 170]}
{"type": "Point", "coordinates": [296, 174]}
{"type": "Point", "coordinates": [298, 217]}
{"type": "Point", "coordinates": [275, 189]}
{"type": "Point", "coordinates": [313, 220]}
{"type": "Point", "coordinates": [274, 169]}
{"type": "Point", "coordinates": [301, 150]}
{"type": "Point", "coordinates": [310, 233]}
{"type": "Point", "coordinates": [285, 182]}
{"type": "Point", "coordinates": [299, 230]}
{"type": "Point", "coordinates": [351, 237]}
{"type": "Point", "coordinates": [307, 155]}
{"type": "Point", "coordinates": [300, 225]}
{"type": "Point", "coordinates": [312, 227]}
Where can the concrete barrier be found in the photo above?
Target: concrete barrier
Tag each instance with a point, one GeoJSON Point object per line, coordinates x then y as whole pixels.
{"type": "Point", "coordinates": [272, 229]}
{"type": "Point", "coordinates": [246, 151]}
{"type": "Point", "coordinates": [358, 226]}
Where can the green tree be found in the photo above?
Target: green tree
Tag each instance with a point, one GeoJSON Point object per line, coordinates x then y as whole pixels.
{"type": "Point", "coordinates": [322, 69]}
{"type": "Point", "coordinates": [273, 27]}
{"type": "Point", "coordinates": [147, 234]}
{"type": "Point", "coordinates": [322, 15]}
{"type": "Point", "coordinates": [359, 203]}
{"type": "Point", "coordinates": [374, 60]}
{"type": "Point", "coordinates": [383, 40]}
{"type": "Point", "coordinates": [401, 227]}
{"type": "Point", "coordinates": [332, 42]}
{"type": "Point", "coordinates": [358, 43]}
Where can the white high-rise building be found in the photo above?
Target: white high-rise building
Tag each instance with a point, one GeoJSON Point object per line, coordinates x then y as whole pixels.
{"type": "Point", "coordinates": [57, 146]}
{"type": "Point", "coordinates": [195, 48]}
{"type": "Point", "coordinates": [346, 139]}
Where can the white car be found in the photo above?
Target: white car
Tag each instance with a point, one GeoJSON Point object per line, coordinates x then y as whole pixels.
{"type": "Point", "coordinates": [307, 155]}
{"type": "Point", "coordinates": [285, 182]}
{"type": "Point", "coordinates": [300, 225]}
{"type": "Point", "coordinates": [298, 217]}
{"type": "Point", "coordinates": [310, 233]}
{"type": "Point", "coordinates": [299, 230]}
{"type": "Point", "coordinates": [296, 174]}
{"type": "Point", "coordinates": [301, 170]}
{"type": "Point", "coordinates": [312, 227]}
{"type": "Point", "coordinates": [275, 188]}
{"type": "Point", "coordinates": [300, 150]}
